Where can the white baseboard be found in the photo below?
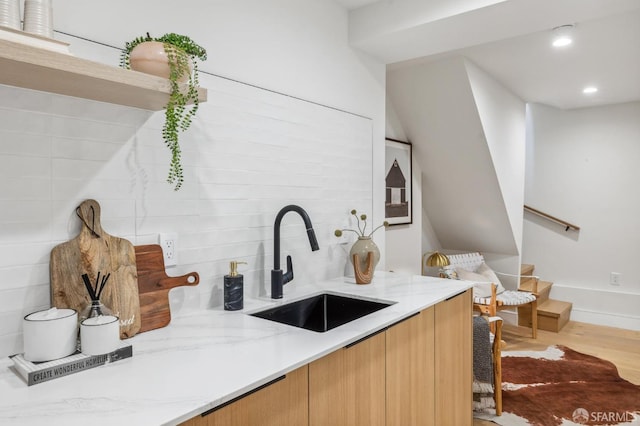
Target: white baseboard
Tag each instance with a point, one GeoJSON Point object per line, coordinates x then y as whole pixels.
{"type": "Point", "coordinates": [600, 306]}
{"type": "Point", "coordinates": [628, 322]}
{"type": "Point", "coordinates": [605, 318]}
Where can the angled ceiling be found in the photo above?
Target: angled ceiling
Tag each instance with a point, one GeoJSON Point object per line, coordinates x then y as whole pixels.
{"type": "Point", "coordinates": [461, 179]}
{"type": "Point", "coordinates": [510, 39]}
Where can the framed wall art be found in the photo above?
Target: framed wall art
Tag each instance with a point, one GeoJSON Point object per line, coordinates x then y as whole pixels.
{"type": "Point", "coordinates": [398, 203]}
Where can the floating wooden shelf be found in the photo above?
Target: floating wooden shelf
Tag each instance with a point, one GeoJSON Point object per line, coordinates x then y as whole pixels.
{"type": "Point", "coordinates": [40, 69]}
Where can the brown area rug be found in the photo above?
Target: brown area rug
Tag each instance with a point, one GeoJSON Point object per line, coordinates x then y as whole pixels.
{"type": "Point", "coordinates": [560, 386]}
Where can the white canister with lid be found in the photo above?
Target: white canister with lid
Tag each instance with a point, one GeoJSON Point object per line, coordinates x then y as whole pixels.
{"type": "Point", "coordinates": [100, 335]}
{"type": "Point", "coordinates": [50, 334]}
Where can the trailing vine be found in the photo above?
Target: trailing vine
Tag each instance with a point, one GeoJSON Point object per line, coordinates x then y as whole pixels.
{"type": "Point", "coordinates": [182, 53]}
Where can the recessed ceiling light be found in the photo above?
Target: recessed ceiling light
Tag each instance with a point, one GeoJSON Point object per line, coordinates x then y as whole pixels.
{"type": "Point", "coordinates": [589, 89]}
{"type": "Point", "coordinates": [562, 36]}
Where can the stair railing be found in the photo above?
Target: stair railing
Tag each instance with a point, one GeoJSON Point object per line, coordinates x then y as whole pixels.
{"type": "Point", "coordinates": [547, 216]}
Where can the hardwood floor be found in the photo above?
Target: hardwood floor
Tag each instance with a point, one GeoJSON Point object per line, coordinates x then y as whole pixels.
{"type": "Point", "coordinates": [621, 347]}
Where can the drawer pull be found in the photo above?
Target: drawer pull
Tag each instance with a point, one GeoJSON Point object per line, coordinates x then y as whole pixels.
{"type": "Point", "coordinates": [244, 395]}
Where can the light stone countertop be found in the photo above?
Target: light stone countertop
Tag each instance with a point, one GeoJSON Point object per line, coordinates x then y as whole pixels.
{"type": "Point", "coordinates": [207, 358]}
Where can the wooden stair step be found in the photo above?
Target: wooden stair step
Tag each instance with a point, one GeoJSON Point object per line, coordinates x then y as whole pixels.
{"type": "Point", "coordinates": [552, 315]}
{"type": "Point", "coordinates": [554, 308]}
{"type": "Point", "coordinates": [526, 269]}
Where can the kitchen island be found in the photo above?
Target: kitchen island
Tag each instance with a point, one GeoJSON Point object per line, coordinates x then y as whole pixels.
{"type": "Point", "coordinates": [210, 357]}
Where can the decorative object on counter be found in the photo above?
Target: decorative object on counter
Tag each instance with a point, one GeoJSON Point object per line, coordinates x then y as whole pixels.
{"type": "Point", "coordinates": [363, 246]}
{"type": "Point", "coordinates": [278, 278]}
{"type": "Point", "coordinates": [175, 57]}
{"type": "Point", "coordinates": [154, 285]}
{"type": "Point", "coordinates": [363, 277]}
{"type": "Point", "coordinates": [94, 250]}
{"type": "Point", "coordinates": [10, 13]}
{"type": "Point", "coordinates": [38, 17]}
{"type": "Point", "coordinates": [435, 260]}
{"type": "Point", "coordinates": [234, 288]}
{"type": "Point", "coordinates": [359, 256]}
{"type": "Point", "coordinates": [99, 329]}
{"type": "Point", "coordinates": [99, 335]}
{"type": "Point", "coordinates": [50, 334]}
{"type": "Point", "coordinates": [43, 372]}
{"type": "Point", "coordinates": [95, 307]}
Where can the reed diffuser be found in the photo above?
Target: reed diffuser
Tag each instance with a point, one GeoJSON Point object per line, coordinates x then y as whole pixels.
{"type": "Point", "coordinates": [96, 307]}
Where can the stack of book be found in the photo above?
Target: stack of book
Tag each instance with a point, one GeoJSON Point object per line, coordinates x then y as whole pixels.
{"type": "Point", "coordinates": [40, 372]}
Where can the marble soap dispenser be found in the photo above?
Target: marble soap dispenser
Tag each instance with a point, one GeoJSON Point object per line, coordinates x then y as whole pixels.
{"type": "Point", "coordinates": [233, 288]}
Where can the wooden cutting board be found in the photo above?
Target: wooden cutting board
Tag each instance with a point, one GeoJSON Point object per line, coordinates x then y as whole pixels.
{"type": "Point", "coordinates": [154, 285]}
{"type": "Point", "coordinates": [93, 251]}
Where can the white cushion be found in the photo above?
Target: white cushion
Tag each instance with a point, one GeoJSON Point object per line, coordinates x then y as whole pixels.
{"type": "Point", "coordinates": [481, 287]}
{"type": "Point", "coordinates": [482, 280]}
{"type": "Point", "coordinates": [488, 272]}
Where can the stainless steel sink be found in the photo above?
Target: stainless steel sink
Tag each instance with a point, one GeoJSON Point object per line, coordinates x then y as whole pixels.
{"type": "Point", "coordinates": [322, 312]}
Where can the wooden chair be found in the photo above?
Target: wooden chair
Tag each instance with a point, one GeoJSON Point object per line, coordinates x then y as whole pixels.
{"type": "Point", "coordinates": [496, 347]}
{"type": "Point", "coordinates": [507, 299]}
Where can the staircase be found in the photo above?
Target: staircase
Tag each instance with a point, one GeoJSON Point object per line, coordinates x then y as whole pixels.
{"type": "Point", "coordinates": [552, 314]}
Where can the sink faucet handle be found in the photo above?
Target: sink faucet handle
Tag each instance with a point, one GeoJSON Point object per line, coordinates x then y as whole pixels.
{"type": "Point", "coordinates": [288, 276]}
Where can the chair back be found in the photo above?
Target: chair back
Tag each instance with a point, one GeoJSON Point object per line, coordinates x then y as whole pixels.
{"type": "Point", "coordinates": [468, 261]}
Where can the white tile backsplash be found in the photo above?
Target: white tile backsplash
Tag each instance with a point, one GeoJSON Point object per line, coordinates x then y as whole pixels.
{"type": "Point", "coordinates": [248, 153]}
{"type": "Point", "coordinates": [24, 121]}
{"type": "Point", "coordinates": [16, 277]}
{"type": "Point", "coordinates": [24, 144]}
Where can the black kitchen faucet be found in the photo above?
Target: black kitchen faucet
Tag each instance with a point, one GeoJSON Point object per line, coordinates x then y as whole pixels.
{"type": "Point", "coordinates": [278, 278]}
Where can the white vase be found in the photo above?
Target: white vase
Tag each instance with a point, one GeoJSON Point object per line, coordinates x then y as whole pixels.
{"type": "Point", "coordinates": [38, 17]}
{"type": "Point", "coordinates": [362, 247]}
{"type": "Point", "coordinates": [10, 14]}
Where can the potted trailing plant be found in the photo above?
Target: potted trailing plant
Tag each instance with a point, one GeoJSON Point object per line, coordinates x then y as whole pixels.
{"type": "Point", "coordinates": [175, 57]}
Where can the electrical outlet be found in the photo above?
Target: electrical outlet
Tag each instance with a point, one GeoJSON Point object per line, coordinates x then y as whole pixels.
{"type": "Point", "coordinates": [614, 278]}
{"type": "Point", "coordinates": [169, 244]}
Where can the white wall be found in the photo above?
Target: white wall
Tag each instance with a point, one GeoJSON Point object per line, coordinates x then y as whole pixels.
{"type": "Point", "coordinates": [467, 206]}
{"type": "Point", "coordinates": [502, 115]}
{"type": "Point", "coordinates": [503, 119]}
{"type": "Point", "coordinates": [296, 47]}
{"type": "Point", "coordinates": [582, 166]}
{"type": "Point", "coordinates": [248, 153]}
{"type": "Point", "coordinates": [406, 244]}
{"type": "Point", "coordinates": [403, 242]}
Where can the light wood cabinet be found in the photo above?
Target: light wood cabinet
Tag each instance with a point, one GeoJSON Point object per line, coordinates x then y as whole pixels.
{"type": "Point", "coordinates": [284, 402]}
{"type": "Point", "coordinates": [454, 361]}
{"type": "Point", "coordinates": [410, 371]}
{"type": "Point", "coordinates": [347, 387]}
{"type": "Point", "coordinates": [416, 372]}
